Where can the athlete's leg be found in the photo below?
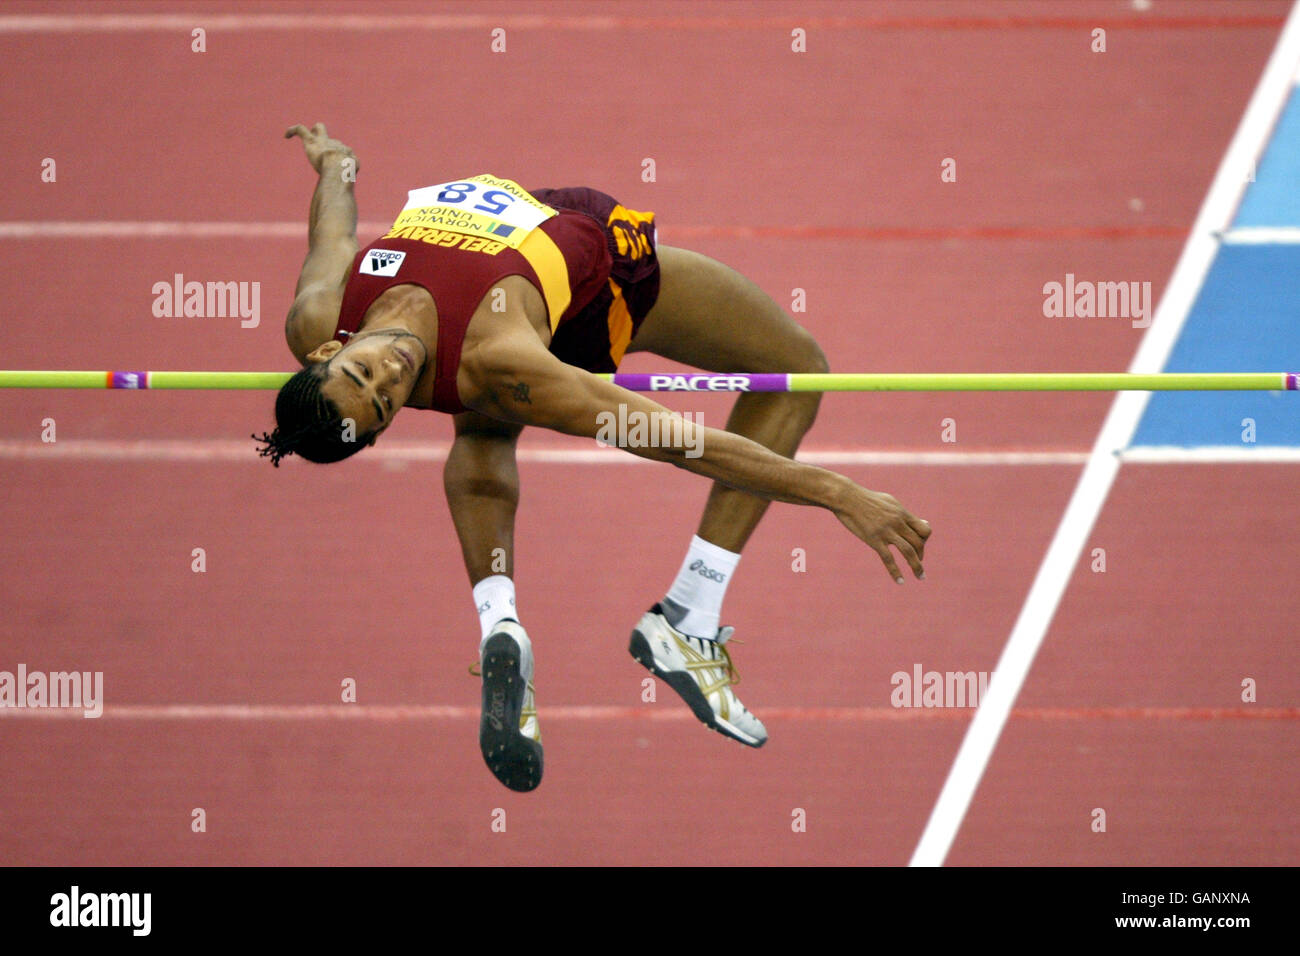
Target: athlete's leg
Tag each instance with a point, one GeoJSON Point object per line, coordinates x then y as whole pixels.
{"type": "Point", "coordinates": [481, 481]}
{"type": "Point", "coordinates": [482, 485]}
{"type": "Point", "coordinates": [710, 316]}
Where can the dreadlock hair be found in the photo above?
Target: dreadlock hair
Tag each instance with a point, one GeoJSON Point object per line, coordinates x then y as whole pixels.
{"type": "Point", "coordinates": [308, 423]}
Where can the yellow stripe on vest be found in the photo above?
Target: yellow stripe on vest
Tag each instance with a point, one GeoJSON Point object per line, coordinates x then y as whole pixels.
{"type": "Point", "coordinates": [548, 262]}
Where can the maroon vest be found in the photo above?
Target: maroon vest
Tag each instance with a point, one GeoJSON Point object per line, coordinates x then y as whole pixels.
{"type": "Point", "coordinates": [458, 279]}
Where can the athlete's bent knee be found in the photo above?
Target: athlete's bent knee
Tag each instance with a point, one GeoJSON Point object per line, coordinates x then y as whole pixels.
{"type": "Point", "coordinates": [809, 356]}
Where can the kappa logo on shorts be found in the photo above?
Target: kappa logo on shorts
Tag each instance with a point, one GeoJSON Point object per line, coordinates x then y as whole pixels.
{"type": "Point", "coordinates": [382, 262]}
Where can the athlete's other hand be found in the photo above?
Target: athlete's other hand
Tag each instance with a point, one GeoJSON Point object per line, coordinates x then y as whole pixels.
{"type": "Point", "coordinates": [318, 145]}
{"type": "Point", "coordinates": [880, 521]}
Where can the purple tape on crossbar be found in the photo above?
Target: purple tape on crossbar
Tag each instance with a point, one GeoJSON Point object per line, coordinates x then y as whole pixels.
{"type": "Point", "coordinates": [1292, 382]}
{"type": "Point", "coordinates": [758, 382]}
{"type": "Point", "coordinates": [130, 380]}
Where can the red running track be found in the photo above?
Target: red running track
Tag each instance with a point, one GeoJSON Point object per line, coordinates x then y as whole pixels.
{"type": "Point", "coordinates": [1067, 161]}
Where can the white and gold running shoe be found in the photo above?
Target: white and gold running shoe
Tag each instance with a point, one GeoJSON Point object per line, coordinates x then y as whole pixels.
{"type": "Point", "coordinates": [700, 670]}
{"type": "Point", "coordinates": [509, 735]}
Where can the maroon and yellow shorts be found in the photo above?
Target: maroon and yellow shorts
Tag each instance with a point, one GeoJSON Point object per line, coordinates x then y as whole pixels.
{"type": "Point", "coordinates": [596, 337]}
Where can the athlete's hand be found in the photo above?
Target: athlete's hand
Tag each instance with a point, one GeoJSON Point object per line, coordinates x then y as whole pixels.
{"type": "Point", "coordinates": [880, 521]}
{"type": "Point", "coordinates": [319, 145]}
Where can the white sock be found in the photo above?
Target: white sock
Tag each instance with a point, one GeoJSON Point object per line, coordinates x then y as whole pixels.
{"type": "Point", "coordinates": [494, 598]}
{"type": "Point", "coordinates": [694, 602]}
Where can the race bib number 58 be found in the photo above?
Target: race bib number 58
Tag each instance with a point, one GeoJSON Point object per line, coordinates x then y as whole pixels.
{"type": "Point", "coordinates": [493, 209]}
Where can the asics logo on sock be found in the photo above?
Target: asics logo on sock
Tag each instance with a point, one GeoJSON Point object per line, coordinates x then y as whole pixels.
{"type": "Point", "coordinates": [704, 571]}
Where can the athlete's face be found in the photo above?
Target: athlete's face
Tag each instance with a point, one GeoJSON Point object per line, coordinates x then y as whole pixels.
{"type": "Point", "coordinates": [372, 376]}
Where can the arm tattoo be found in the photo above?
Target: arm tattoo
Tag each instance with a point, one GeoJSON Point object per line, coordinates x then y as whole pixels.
{"type": "Point", "coordinates": [520, 392]}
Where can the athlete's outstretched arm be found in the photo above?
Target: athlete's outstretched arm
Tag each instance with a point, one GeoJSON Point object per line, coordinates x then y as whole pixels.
{"type": "Point", "coordinates": [481, 481]}
{"type": "Point", "coordinates": [511, 376]}
{"type": "Point", "coordinates": [331, 240]}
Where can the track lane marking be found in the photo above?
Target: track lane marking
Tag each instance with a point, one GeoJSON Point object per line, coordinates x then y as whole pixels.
{"type": "Point", "coordinates": [19, 230]}
{"type": "Point", "coordinates": [221, 450]}
{"type": "Point", "coordinates": [216, 450]}
{"type": "Point", "coordinates": [381, 22]}
{"type": "Point", "coordinates": [400, 712]}
{"type": "Point", "coordinates": [1261, 236]}
{"type": "Point", "coordinates": [1099, 473]}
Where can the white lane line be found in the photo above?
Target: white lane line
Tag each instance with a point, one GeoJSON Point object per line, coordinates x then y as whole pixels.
{"type": "Point", "coordinates": [25, 229]}
{"type": "Point", "coordinates": [398, 712]}
{"type": "Point", "coordinates": [380, 20]}
{"type": "Point", "coordinates": [221, 450]}
{"type": "Point", "coordinates": [358, 22]}
{"type": "Point", "coordinates": [166, 229]}
{"type": "Point", "coordinates": [1212, 454]}
{"type": "Point", "coordinates": [1261, 236]}
{"type": "Point", "coordinates": [225, 450]}
{"type": "Point", "coordinates": [80, 229]}
{"type": "Point", "coordinates": [1094, 485]}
